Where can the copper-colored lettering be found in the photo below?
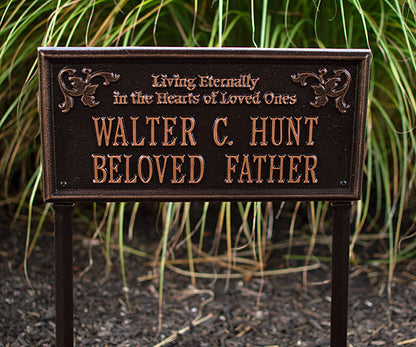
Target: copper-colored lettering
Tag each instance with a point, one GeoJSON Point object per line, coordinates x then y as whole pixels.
{"type": "Point", "coordinates": [255, 130]}
{"type": "Point", "coordinates": [104, 130]}
{"type": "Point", "coordinates": [177, 99]}
{"type": "Point", "coordinates": [113, 168]}
{"type": "Point", "coordinates": [149, 166]}
{"type": "Point", "coordinates": [187, 131]}
{"type": "Point", "coordinates": [152, 121]}
{"type": "Point", "coordinates": [268, 98]}
{"type": "Point", "coordinates": [155, 83]}
{"type": "Point", "coordinates": [259, 159]}
{"type": "Point", "coordinates": [177, 161]}
{"type": "Point", "coordinates": [174, 81]}
{"type": "Point", "coordinates": [310, 168]}
{"type": "Point", "coordinates": [211, 98]}
{"type": "Point", "coordinates": [127, 179]}
{"type": "Point", "coordinates": [119, 99]}
{"type": "Point", "coordinates": [245, 170]}
{"type": "Point", "coordinates": [193, 178]}
{"type": "Point", "coordinates": [231, 166]}
{"type": "Point", "coordinates": [293, 168]}
{"type": "Point", "coordinates": [217, 141]}
{"type": "Point", "coordinates": [274, 168]}
{"type": "Point", "coordinates": [120, 133]}
{"type": "Point", "coordinates": [162, 98]}
{"type": "Point", "coordinates": [161, 170]}
{"type": "Point", "coordinates": [274, 141]}
{"type": "Point", "coordinates": [232, 99]}
{"type": "Point", "coordinates": [244, 81]}
{"type": "Point", "coordinates": [311, 121]}
{"type": "Point", "coordinates": [203, 81]}
{"type": "Point", "coordinates": [168, 130]}
{"type": "Point", "coordinates": [134, 126]}
{"type": "Point", "coordinates": [295, 131]}
{"type": "Point", "coordinates": [99, 167]}
{"type": "Point", "coordinates": [138, 98]}
{"type": "Point", "coordinates": [285, 99]}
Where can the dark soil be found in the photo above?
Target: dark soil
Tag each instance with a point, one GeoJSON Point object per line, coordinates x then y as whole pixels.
{"type": "Point", "coordinates": [206, 315]}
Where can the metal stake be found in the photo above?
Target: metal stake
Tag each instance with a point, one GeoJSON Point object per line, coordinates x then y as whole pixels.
{"type": "Point", "coordinates": [340, 265]}
{"type": "Point", "coordinates": [64, 303]}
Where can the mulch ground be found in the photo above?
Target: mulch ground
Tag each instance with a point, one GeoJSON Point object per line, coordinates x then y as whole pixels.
{"type": "Point", "coordinates": [211, 313]}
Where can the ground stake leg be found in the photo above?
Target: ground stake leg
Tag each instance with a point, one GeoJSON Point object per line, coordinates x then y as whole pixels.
{"type": "Point", "coordinates": [64, 304]}
{"type": "Point", "coordinates": [340, 265]}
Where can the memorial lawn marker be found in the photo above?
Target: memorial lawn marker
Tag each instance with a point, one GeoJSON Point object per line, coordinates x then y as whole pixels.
{"type": "Point", "coordinates": [181, 124]}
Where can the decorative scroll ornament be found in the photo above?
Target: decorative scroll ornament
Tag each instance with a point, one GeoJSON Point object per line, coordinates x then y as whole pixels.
{"type": "Point", "coordinates": [327, 88]}
{"type": "Point", "coordinates": [82, 86]}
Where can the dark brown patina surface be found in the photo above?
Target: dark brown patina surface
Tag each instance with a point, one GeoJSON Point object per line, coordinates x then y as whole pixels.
{"type": "Point", "coordinates": [202, 124]}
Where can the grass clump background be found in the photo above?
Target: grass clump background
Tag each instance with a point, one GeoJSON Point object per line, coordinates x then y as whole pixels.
{"type": "Point", "coordinates": [383, 219]}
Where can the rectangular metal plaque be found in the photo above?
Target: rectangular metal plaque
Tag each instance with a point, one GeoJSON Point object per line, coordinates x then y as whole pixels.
{"type": "Point", "coordinates": [202, 124]}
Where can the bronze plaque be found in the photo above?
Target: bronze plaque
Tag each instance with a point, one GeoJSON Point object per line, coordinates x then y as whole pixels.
{"type": "Point", "coordinates": [202, 124]}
